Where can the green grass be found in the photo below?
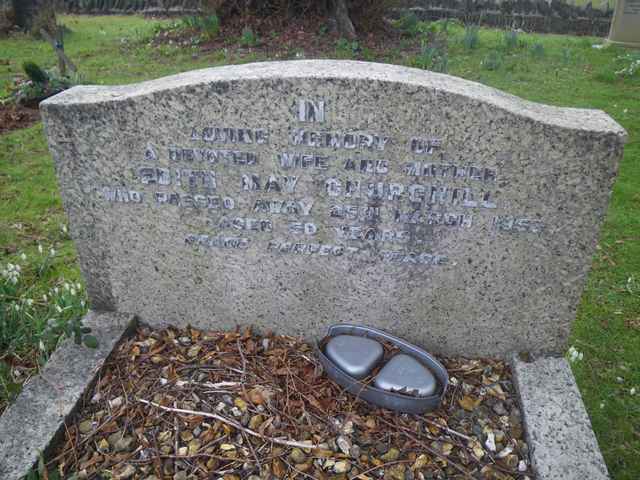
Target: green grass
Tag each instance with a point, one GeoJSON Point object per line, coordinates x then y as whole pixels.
{"type": "Point", "coordinates": [569, 73]}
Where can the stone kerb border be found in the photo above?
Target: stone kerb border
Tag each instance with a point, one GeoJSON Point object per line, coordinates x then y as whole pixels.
{"type": "Point", "coordinates": [33, 424]}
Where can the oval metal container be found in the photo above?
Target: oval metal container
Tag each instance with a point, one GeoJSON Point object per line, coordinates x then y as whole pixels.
{"type": "Point", "coordinates": [383, 398]}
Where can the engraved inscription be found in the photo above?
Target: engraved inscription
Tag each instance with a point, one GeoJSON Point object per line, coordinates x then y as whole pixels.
{"type": "Point", "coordinates": [632, 7]}
{"type": "Point", "coordinates": [340, 194]}
{"type": "Point", "coordinates": [310, 110]}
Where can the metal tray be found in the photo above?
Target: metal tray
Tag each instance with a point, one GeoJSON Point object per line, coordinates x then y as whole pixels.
{"type": "Point", "coordinates": [383, 398]}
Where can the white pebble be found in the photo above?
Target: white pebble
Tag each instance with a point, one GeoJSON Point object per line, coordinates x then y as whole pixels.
{"type": "Point", "coordinates": [490, 443]}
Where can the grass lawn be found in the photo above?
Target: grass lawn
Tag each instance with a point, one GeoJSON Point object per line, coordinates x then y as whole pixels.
{"type": "Point", "coordinates": [552, 69]}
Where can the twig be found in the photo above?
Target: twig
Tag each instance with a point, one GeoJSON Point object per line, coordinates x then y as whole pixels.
{"type": "Point", "coordinates": [233, 423]}
{"type": "Point", "coordinates": [377, 467]}
{"type": "Point", "coordinates": [298, 471]}
{"type": "Point", "coordinates": [176, 424]}
{"type": "Point", "coordinates": [63, 60]}
{"type": "Point", "coordinates": [182, 383]}
{"type": "Point", "coordinates": [447, 429]}
{"type": "Point", "coordinates": [243, 377]}
{"type": "Point", "coordinates": [433, 451]}
{"type": "Point", "coordinates": [253, 451]}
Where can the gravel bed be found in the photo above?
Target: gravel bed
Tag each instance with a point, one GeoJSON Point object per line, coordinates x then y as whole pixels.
{"type": "Point", "coordinates": [191, 404]}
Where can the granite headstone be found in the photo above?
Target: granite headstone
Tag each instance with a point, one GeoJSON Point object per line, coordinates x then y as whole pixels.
{"type": "Point", "coordinates": [295, 195]}
{"type": "Point", "coordinates": [625, 24]}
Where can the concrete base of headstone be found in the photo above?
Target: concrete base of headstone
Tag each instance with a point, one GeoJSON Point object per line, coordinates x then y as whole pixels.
{"type": "Point", "coordinates": [558, 431]}
{"type": "Point", "coordinates": [36, 419]}
{"type": "Point", "coordinates": [623, 44]}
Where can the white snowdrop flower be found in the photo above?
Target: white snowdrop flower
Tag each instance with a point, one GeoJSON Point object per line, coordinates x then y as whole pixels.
{"type": "Point", "coordinates": [602, 405]}
{"type": "Point", "coordinates": [45, 298]}
{"type": "Point", "coordinates": [82, 303]}
{"type": "Point", "coordinates": [40, 249]}
{"type": "Point", "coordinates": [16, 307]}
{"type": "Point", "coordinates": [64, 228]}
{"type": "Point", "coordinates": [23, 256]}
{"type": "Point", "coordinates": [17, 268]}
{"type": "Point", "coordinates": [14, 280]}
{"type": "Point", "coordinates": [66, 286]}
{"type": "Point", "coordinates": [73, 291]}
{"type": "Point", "coordinates": [41, 346]}
{"type": "Point", "coordinates": [58, 308]}
{"type": "Point", "coordinates": [575, 355]}
{"type": "Point", "coordinates": [78, 286]}
{"type": "Point", "coordinates": [29, 301]}
{"type": "Point", "coordinates": [56, 290]}
{"type": "Point", "coordinates": [633, 391]}
{"type": "Point", "coordinates": [10, 266]}
{"type": "Point", "coordinates": [52, 252]}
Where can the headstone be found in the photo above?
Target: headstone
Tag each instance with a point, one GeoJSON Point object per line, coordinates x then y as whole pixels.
{"type": "Point", "coordinates": [625, 25]}
{"type": "Point", "coordinates": [295, 195]}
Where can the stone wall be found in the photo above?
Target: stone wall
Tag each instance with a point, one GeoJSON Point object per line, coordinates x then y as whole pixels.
{"type": "Point", "coordinates": [528, 15]}
{"type": "Point", "coordinates": [160, 7]}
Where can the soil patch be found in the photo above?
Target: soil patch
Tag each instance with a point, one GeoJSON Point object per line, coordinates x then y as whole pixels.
{"type": "Point", "coordinates": [13, 117]}
{"type": "Point", "coordinates": [299, 38]}
{"type": "Point", "coordinates": [191, 404]}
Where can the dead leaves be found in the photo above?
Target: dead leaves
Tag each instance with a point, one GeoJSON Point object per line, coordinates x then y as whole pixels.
{"type": "Point", "coordinates": [273, 385]}
{"type": "Point", "coordinates": [468, 403]}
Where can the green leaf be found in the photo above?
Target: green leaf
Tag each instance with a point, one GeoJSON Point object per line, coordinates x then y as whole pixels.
{"type": "Point", "coordinates": [13, 389]}
{"type": "Point", "coordinates": [42, 469]}
{"type": "Point", "coordinates": [91, 341]}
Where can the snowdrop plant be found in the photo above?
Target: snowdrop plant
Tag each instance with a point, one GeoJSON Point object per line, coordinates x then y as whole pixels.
{"type": "Point", "coordinates": [630, 65]}
{"type": "Point", "coordinates": [34, 318]}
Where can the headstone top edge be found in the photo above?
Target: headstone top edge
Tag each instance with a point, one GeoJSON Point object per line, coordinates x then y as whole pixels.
{"type": "Point", "coordinates": [579, 119]}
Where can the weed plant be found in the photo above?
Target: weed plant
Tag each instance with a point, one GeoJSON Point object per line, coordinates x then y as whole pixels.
{"type": "Point", "coordinates": [510, 40]}
{"type": "Point", "coordinates": [537, 50]}
{"type": "Point", "coordinates": [248, 38]}
{"type": "Point", "coordinates": [432, 57]}
{"type": "Point", "coordinates": [207, 25]}
{"type": "Point", "coordinates": [347, 49]}
{"type": "Point", "coordinates": [409, 24]}
{"type": "Point", "coordinates": [493, 61]}
{"type": "Point", "coordinates": [471, 38]}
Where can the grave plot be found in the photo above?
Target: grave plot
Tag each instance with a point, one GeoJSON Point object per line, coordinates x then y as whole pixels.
{"type": "Point", "coordinates": [291, 196]}
{"type": "Point", "coordinates": [196, 404]}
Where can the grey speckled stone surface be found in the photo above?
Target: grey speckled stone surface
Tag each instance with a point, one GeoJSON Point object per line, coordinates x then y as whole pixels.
{"type": "Point", "coordinates": [562, 443]}
{"type": "Point", "coordinates": [32, 422]}
{"type": "Point", "coordinates": [483, 258]}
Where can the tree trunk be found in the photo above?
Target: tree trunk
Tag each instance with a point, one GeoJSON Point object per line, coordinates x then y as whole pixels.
{"type": "Point", "coordinates": [339, 13]}
{"type": "Point", "coordinates": [27, 13]}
